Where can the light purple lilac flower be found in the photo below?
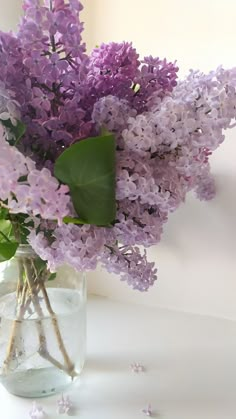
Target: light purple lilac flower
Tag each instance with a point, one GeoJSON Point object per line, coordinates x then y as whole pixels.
{"type": "Point", "coordinates": [38, 193]}
{"type": "Point", "coordinates": [137, 367]}
{"type": "Point", "coordinates": [79, 247]}
{"type": "Point", "coordinates": [148, 410]}
{"type": "Point", "coordinates": [156, 77]}
{"type": "Point", "coordinates": [64, 405]}
{"type": "Point", "coordinates": [132, 266]}
{"type": "Point", "coordinates": [9, 108]}
{"type": "Point", "coordinates": [37, 412]}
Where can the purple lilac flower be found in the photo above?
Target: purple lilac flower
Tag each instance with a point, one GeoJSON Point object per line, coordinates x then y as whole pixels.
{"type": "Point", "coordinates": [112, 68]}
{"type": "Point", "coordinates": [44, 72]}
{"type": "Point", "coordinates": [38, 194]}
{"type": "Point", "coordinates": [115, 69]}
{"type": "Point", "coordinates": [64, 405]}
{"type": "Point", "coordinates": [84, 247]}
{"type": "Point", "coordinates": [11, 66]}
{"type": "Point", "coordinates": [79, 247]}
{"type": "Point", "coordinates": [41, 99]}
{"type": "Point", "coordinates": [13, 165]}
{"type": "Point", "coordinates": [113, 113]}
{"type": "Point", "coordinates": [179, 135]}
{"type": "Point", "coordinates": [131, 265]}
{"type": "Point", "coordinates": [9, 108]}
{"type": "Point", "coordinates": [156, 77]}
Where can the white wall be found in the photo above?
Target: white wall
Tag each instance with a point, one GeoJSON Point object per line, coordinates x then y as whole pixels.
{"type": "Point", "coordinates": [9, 15]}
{"type": "Point", "coordinates": [197, 256]}
{"type": "Point", "coordinates": [12, 9]}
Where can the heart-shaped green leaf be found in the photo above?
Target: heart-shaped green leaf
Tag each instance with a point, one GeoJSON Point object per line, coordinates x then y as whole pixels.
{"type": "Point", "coordinates": [7, 250]}
{"type": "Point", "coordinates": [72, 220]}
{"type": "Point", "coordinates": [88, 168]}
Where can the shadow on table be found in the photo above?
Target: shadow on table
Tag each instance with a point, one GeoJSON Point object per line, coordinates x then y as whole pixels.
{"type": "Point", "coordinates": [107, 364]}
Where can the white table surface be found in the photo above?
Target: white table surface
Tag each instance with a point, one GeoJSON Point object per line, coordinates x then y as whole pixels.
{"type": "Point", "coordinates": [190, 362]}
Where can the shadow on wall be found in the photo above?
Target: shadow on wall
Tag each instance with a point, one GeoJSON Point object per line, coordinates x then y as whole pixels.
{"type": "Point", "coordinates": [195, 218]}
{"type": "Point", "coordinates": [195, 259]}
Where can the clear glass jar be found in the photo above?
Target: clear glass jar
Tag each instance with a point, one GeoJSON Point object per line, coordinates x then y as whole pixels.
{"type": "Point", "coordinates": [43, 325]}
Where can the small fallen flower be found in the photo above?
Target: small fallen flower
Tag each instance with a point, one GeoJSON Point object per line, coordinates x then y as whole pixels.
{"type": "Point", "coordinates": [137, 367]}
{"type": "Point", "coordinates": [148, 411]}
{"type": "Point", "coordinates": [64, 405]}
{"type": "Point", "coordinates": [37, 412]}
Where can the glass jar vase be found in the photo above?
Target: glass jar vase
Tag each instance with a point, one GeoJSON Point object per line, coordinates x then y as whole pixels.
{"type": "Point", "coordinates": [42, 325]}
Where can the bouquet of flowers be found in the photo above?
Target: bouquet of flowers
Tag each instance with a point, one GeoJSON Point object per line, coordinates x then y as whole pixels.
{"type": "Point", "coordinates": [97, 150]}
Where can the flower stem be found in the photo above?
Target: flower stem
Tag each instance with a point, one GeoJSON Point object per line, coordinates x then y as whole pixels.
{"type": "Point", "coordinates": [68, 363]}
{"type": "Point", "coordinates": [52, 37]}
{"type": "Point", "coordinates": [16, 326]}
{"type": "Point", "coordinates": [30, 283]}
{"type": "Point", "coordinates": [43, 351]}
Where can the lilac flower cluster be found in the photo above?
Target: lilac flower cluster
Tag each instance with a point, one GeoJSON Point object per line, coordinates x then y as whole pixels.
{"type": "Point", "coordinates": [28, 190]}
{"type": "Point", "coordinates": [115, 69]}
{"type": "Point", "coordinates": [43, 66]}
{"type": "Point", "coordinates": [37, 412]}
{"type": "Point", "coordinates": [9, 108]}
{"type": "Point", "coordinates": [165, 133]}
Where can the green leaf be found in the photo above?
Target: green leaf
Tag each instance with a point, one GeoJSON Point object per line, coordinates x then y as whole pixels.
{"type": "Point", "coordinates": [71, 220]}
{"type": "Point", "coordinates": [52, 277]}
{"type": "Point", "coordinates": [3, 213]}
{"type": "Point", "coordinates": [79, 221]}
{"type": "Point", "coordinates": [40, 266]}
{"type": "Point", "coordinates": [7, 250]}
{"type": "Point", "coordinates": [8, 245]}
{"type": "Point", "coordinates": [6, 230]}
{"type": "Point", "coordinates": [18, 130]}
{"type": "Point", "coordinates": [88, 168]}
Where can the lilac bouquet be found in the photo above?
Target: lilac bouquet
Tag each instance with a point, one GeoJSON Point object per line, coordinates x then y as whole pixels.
{"type": "Point", "coordinates": [97, 150]}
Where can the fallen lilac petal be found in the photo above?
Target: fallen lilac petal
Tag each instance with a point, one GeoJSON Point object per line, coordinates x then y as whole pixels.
{"type": "Point", "coordinates": [37, 412]}
{"type": "Point", "coordinates": [137, 367]}
{"type": "Point", "coordinates": [148, 411]}
{"type": "Point", "coordinates": [64, 405]}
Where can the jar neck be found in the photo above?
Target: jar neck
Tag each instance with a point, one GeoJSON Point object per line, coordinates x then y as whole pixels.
{"type": "Point", "coordinates": [25, 250]}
